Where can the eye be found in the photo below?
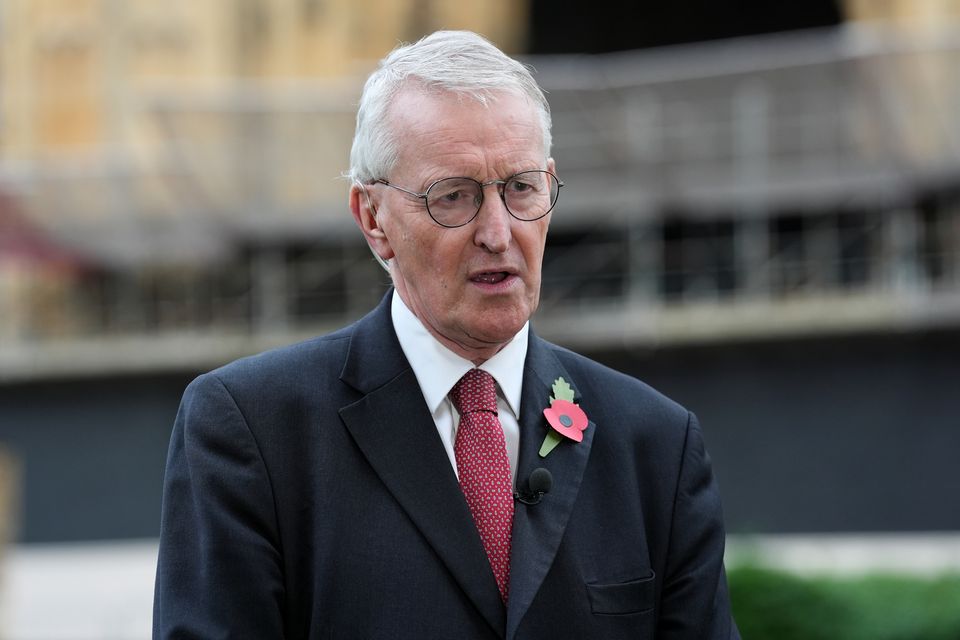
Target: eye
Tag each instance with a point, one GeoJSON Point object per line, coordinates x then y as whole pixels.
{"type": "Point", "coordinates": [522, 185]}
{"type": "Point", "coordinates": [449, 197]}
{"type": "Point", "coordinates": [453, 192]}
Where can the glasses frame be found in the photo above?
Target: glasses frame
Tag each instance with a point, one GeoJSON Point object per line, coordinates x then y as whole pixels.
{"type": "Point", "coordinates": [500, 189]}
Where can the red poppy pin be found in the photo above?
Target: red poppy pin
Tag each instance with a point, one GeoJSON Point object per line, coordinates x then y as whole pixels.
{"type": "Point", "coordinates": [567, 418]}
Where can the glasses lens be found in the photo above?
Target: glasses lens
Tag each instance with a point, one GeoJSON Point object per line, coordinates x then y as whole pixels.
{"type": "Point", "coordinates": [454, 201]}
{"type": "Point", "coordinates": [531, 194]}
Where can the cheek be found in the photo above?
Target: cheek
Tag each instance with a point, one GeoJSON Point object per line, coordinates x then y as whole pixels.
{"type": "Point", "coordinates": [532, 245]}
{"type": "Point", "coordinates": [415, 250]}
{"type": "Point", "coordinates": [429, 261]}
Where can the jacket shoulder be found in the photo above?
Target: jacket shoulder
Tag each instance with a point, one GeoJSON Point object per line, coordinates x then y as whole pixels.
{"type": "Point", "coordinates": [638, 430]}
{"type": "Point", "coordinates": [620, 395]}
{"type": "Point", "coordinates": [288, 367]}
{"type": "Point", "coordinates": [277, 362]}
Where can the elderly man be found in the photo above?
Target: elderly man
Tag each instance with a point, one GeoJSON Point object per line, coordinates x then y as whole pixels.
{"type": "Point", "coordinates": [436, 470]}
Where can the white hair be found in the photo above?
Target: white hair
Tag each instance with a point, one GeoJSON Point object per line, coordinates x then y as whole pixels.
{"type": "Point", "coordinates": [459, 62]}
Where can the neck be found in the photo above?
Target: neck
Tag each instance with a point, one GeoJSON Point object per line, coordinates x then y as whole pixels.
{"type": "Point", "coordinates": [477, 354]}
{"type": "Point", "coordinates": [473, 349]}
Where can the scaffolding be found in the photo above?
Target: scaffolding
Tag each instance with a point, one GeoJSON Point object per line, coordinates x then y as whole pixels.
{"type": "Point", "coordinates": [765, 187]}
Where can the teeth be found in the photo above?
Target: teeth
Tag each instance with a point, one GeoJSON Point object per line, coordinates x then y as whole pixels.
{"type": "Point", "coordinates": [491, 278]}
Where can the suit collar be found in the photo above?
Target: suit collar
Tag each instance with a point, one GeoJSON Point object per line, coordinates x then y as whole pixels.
{"type": "Point", "coordinates": [396, 433]}
{"type": "Point", "coordinates": [538, 529]}
{"type": "Point", "coordinates": [374, 356]}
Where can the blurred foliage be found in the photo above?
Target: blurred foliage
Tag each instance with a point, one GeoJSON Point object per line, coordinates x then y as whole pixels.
{"type": "Point", "coordinates": [774, 605]}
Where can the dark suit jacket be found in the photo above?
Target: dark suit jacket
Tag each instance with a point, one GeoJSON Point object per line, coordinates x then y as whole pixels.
{"type": "Point", "coordinates": [308, 495]}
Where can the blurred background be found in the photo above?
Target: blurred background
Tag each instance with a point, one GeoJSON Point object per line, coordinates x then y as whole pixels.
{"type": "Point", "coordinates": [761, 219]}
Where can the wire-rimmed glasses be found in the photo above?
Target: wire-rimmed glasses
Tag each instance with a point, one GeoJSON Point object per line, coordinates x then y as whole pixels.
{"type": "Point", "coordinates": [454, 202]}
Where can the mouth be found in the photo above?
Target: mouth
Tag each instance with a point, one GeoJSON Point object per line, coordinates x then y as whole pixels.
{"type": "Point", "coordinates": [490, 277]}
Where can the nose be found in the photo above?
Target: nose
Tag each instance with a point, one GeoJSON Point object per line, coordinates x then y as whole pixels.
{"type": "Point", "coordinates": [493, 225]}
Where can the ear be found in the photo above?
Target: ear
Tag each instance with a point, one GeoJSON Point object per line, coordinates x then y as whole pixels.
{"type": "Point", "coordinates": [364, 210]}
{"type": "Point", "coordinates": [551, 166]}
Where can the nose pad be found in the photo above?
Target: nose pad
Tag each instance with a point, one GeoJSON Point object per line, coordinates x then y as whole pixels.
{"type": "Point", "coordinates": [500, 186]}
{"type": "Point", "coordinates": [502, 192]}
{"type": "Point", "coordinates": [494, 231]}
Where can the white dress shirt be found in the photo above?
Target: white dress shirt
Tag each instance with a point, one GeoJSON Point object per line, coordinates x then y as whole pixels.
{"type": "Point", "coordinates": [438, 368]}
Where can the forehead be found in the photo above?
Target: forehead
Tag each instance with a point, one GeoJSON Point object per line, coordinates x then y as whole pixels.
{"type": "Point", "coordinates": [450, 130]}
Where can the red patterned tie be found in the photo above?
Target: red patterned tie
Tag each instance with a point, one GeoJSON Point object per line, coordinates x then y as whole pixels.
{"type": "Point", "coordinates": [484, 470]}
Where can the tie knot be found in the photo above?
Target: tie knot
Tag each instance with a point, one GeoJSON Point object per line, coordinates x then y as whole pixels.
{"type": "Point", "coordinates": [475, 391]}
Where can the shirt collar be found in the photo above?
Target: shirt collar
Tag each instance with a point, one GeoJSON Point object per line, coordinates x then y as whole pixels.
{"type": "Point", "coordinates": [437, 368]}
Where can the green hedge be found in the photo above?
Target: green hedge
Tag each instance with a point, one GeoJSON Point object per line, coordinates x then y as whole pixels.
{"type": "Point", "coordinates": [773, 605]}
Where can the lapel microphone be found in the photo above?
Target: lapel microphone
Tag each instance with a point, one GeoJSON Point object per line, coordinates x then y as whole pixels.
{"type": "Point", "coordinates": [539, 483]}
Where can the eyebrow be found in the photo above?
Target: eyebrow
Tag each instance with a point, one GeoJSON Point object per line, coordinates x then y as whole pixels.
{"type": "Point", "coordinates": [427, 184]}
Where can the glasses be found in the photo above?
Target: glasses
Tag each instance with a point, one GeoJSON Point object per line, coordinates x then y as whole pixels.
{"type": "Point", "coordinates": [454, 202]}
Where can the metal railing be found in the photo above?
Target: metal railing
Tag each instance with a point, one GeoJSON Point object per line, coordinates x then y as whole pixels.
{"type": "Point", "coordinates": [705, 183]}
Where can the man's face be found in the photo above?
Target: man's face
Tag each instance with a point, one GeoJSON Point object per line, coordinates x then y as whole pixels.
{"type": "Point", "coordinates": [475, 286]}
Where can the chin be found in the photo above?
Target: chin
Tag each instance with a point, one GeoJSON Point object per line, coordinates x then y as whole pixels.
{"type": "Point", "coordinates": [496, 329]}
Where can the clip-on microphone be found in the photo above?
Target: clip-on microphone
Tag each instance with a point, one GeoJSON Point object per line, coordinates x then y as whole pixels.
{"type": "Point", "coordinates": [539, 483]}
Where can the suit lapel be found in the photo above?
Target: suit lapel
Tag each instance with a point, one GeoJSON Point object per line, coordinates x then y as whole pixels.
{"type": "Point", "coordinates": [538, 529]}
{"type": "Point", "coordinates": [395, 431]}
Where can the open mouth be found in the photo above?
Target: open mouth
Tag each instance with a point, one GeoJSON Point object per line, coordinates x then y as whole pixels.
{"type": "Point", "coordinates": [490, 277]}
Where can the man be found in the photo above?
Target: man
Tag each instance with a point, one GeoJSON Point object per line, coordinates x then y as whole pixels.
{"type": "Point", "coordinates": [363, 484]}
